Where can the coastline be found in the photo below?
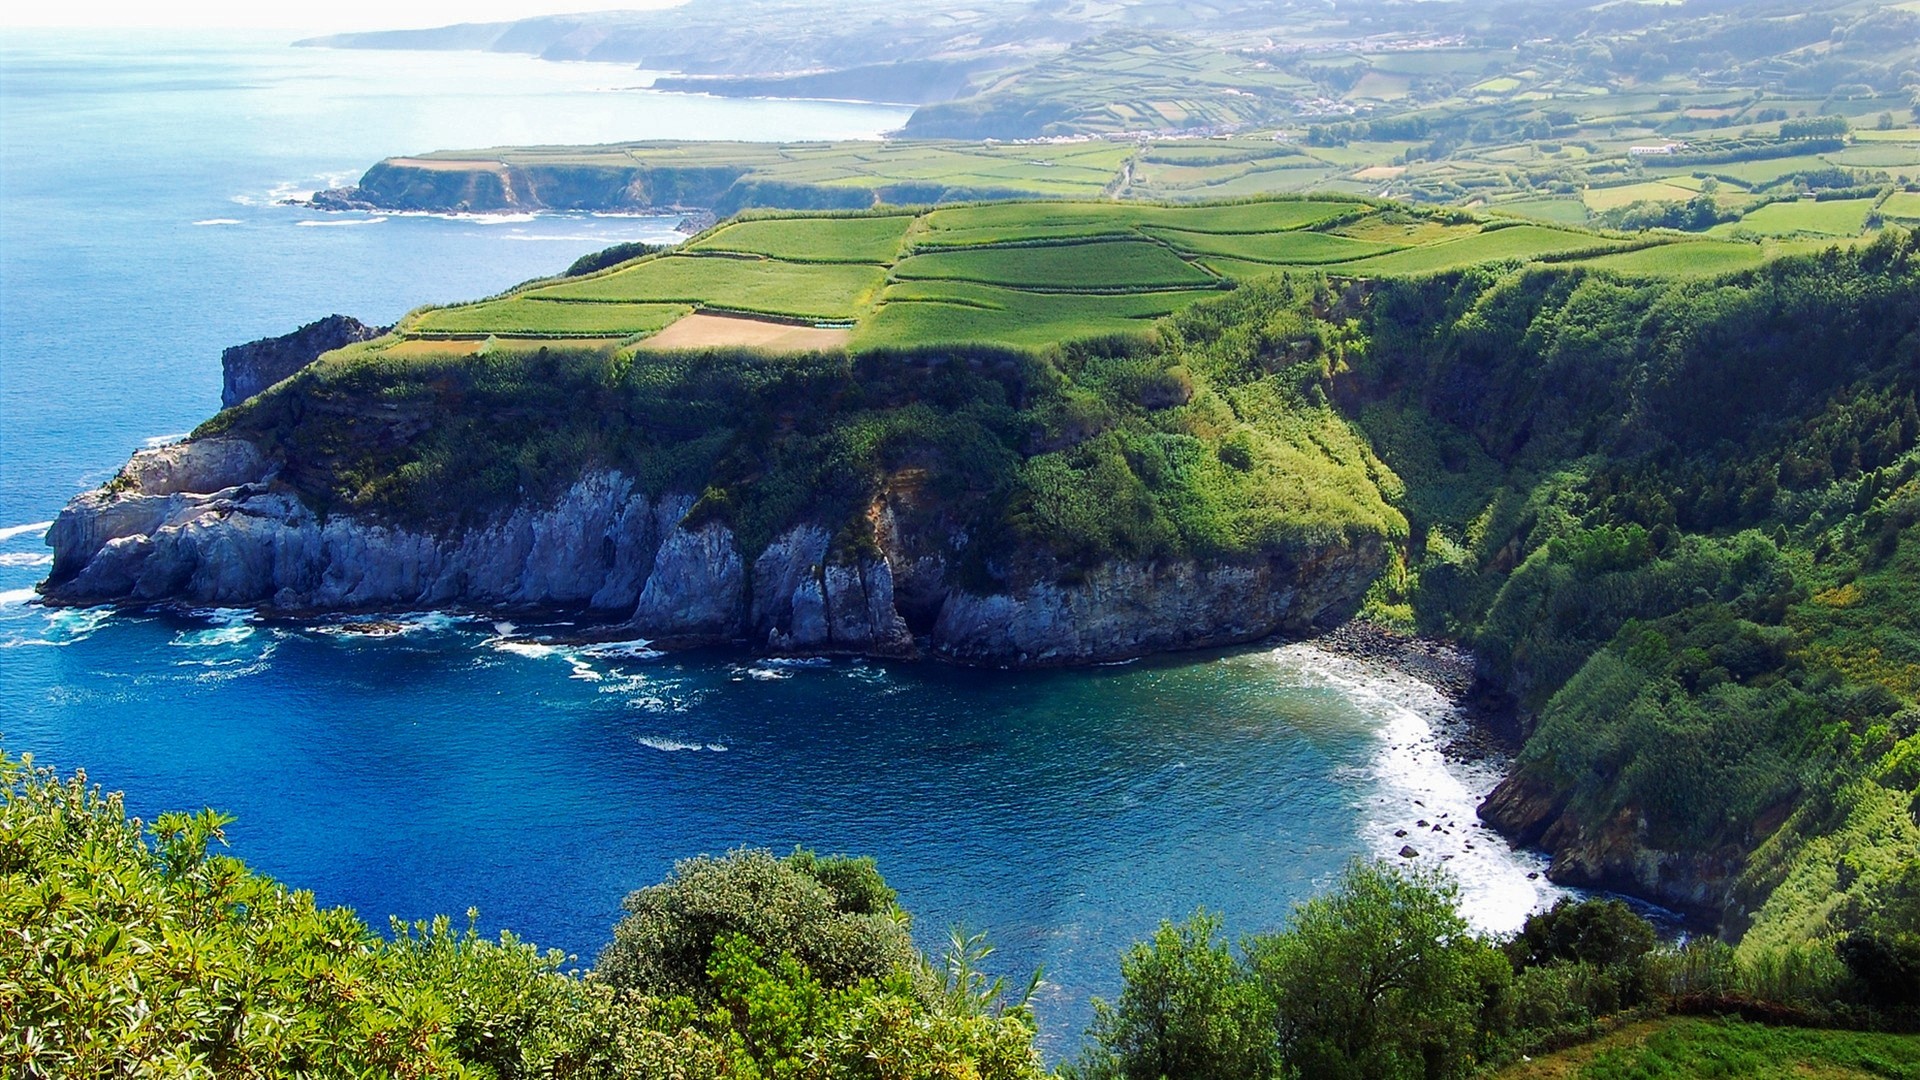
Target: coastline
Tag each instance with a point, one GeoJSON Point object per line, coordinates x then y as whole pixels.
{"type": "Point", "coordinates": [1489, 730]}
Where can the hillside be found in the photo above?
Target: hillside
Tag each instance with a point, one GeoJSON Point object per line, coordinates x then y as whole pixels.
{"type": "Point", "coordinates": [1671, 508]}
{"type": "Point", "coordinates": [1685, 1048]}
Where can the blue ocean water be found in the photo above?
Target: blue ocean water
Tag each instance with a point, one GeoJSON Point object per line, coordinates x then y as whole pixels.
{"type": "Point", "coordinates": [445, 767]}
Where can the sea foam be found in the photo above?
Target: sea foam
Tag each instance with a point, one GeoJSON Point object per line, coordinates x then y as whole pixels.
{"type": "Point", "coordinates": [31, 528]}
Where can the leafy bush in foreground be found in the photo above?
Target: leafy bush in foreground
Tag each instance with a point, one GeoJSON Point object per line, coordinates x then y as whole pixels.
{"type": "Point", "coordinates": [131, 950]}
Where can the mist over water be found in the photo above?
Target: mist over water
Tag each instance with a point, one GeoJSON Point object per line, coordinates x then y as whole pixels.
{"type": "Point", "coordinates": [447, 765]}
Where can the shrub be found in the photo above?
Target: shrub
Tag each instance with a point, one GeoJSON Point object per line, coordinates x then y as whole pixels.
{"type": "Point", "coordinates": [1190, 1009]}
{"type": "Point", "coordinates": [1381, 978]}
{"type": "Point", "coordinates": [832, 916]}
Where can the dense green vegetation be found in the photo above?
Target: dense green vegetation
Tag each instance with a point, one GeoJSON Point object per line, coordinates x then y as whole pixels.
{"type": "Point", "coordinates": [138, 950]}
{"type": "Point", "coordinates": [132, 951]}
{"type": "Point", "coordinates": [1203, 443]}
{"type": "Point", "coordinates": [1675, 515]}
{"type": "Point", "coordinates": [1681, 544]}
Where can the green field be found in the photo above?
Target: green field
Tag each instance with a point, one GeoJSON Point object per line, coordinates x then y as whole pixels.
{"type": "Point", "coordinates": [1116, 265]}
{"type": "Point", "coordinates": [520, 315]}
{"type": "Point", "coordinates": [767, 286]}
{"type": "Point", "coordinates": [1904, 205]}
{"type": "Point", "coordinates": [956, 312]}
{"type": "Point", "coordinates": [1291, 248]}
{"type": "Point", "coordinates": [1704, 258]}
{"type": "Point", "coordinates": [1685, 1048]}
{"type": "Point", "coordinates": [1516, 242]}
{"type": "Point", "coordinates": [860, 239]}
{"type": "Point", "coordinates": [1035, 273]}
{"type": "Point", "coordinates": [1557, 211]}
{"type": "Point", "coordinates": [1008, 222]}
{"type": "Point", "coordinates": [1838, 217]}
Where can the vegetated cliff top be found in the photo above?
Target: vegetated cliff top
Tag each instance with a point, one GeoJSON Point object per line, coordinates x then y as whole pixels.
{"type": "Point", "coordinates": [1027, 275]}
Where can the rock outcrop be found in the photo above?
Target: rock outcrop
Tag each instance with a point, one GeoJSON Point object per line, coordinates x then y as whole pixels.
{"type": "Point", "coordinates": [245, 370]}
{"type": "Point", "coordinates": [210, 522]}
{"type": "Point", "coordinates": [1125, 609]}
{"type": "Point", "coordinates": [1615, 853]}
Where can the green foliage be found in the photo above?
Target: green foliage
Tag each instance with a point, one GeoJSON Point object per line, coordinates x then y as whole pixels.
{"type": "Point", "coordinates": [1602, 932]}
{"type": "Point", "coordinates": [1697, 214]}
{"type": "Point", "coordinates": [605, 258]}
{"type": "Point", "coordinates": [132, 952]}
{"type": "Point", "coordinates": [1381, 978]}
{"type": "Point", "coordinates": [128, 954]}
{"type": "Point", "coordinates": [1190, 1009]}
{"type": "Point", "coordinates": [831, 916]}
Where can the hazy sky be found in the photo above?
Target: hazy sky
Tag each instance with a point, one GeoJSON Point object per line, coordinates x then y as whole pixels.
{"type": "Point", "coordinates": [315, 15]}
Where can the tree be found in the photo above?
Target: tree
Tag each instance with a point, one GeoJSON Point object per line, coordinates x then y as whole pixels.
{"type": "Point", "coordinates": [1190, 1010]}
{"type": "Point", "coordinates": [1381, 979]}
{"type": "Point", "coordinates": [1600, 932]}
{"type": "Point", "coordinates": [835, 916]}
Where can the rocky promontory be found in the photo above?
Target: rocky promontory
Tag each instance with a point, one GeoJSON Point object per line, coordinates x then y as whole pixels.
{"type": "Point", "coordinates": [210, 522]}
{"type": "Point", "coordinates": [245, 370]}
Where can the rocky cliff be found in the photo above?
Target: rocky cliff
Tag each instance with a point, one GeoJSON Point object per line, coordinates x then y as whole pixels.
{"type": "Point", "coordinates": [209, 522]}
{"type": "Point", "coordinates": [1611, 853]}
{"type": "Point", "coordinates": [245, 370]}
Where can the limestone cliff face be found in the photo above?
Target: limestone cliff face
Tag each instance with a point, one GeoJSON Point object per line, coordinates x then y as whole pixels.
{"type": "Point", "coordinates": [245, 370]}
{"type": "Point", "coordinates": [1124, 609]}
{"type": "Point", "coordinates": [209, 523]}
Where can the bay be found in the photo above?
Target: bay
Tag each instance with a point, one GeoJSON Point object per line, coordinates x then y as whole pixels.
{"type": "Point", "coordinates": [444, 767]}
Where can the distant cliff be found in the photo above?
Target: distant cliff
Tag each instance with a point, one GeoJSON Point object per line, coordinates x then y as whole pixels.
{"type": "Point", "coordinates": [483, 184]}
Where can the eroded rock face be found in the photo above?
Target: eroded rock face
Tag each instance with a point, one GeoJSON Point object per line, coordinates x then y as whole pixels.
{"type": "Point", "coordinates": [810, 598]}
{"type": "Point", "coordinates": [697, 591]}
{"type": "Point", "coordinates": [203, 523]}
{"type": "Point", "coordinates": [245, 370]}
{"type": "Point", "coordinates": [207, 522]}
{"type": "Point", "coordinates": [1127, 609]}
{"type": "Point", "coordinates": [1614, 854]}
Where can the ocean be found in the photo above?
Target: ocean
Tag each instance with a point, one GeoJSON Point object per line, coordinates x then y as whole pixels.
{"type": "Point", "coordinates": [446, 767]}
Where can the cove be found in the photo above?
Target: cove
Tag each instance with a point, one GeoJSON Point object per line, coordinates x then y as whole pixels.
{"type": "Point", "coordinates": [1064, 812]}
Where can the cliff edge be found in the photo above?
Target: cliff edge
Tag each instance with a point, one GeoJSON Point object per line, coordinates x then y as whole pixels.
{"type": "Point", "coordinates": [245, 370]}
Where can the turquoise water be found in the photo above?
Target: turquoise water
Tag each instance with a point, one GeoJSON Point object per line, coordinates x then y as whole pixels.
{"type": "Point", "coordinates": [445, 767]}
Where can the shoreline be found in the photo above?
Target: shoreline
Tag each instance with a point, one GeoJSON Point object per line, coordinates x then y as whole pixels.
{"type": "Point", "coordinates": [1490, 728]}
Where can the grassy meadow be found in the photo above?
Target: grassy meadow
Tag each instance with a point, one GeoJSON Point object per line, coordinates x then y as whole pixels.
{"type": "Point", "coordinates": [1687, 1048]}
{"type": "Point", "coordinates": [1031, 274]}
